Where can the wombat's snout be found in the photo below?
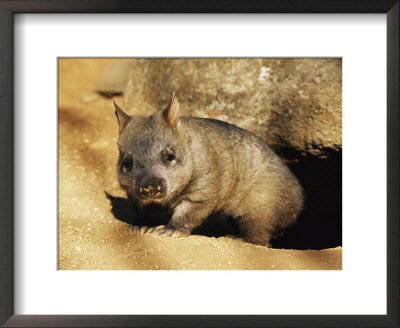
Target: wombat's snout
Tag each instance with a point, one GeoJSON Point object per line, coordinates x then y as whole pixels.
{"type": "Point", "coordinates": [151, 187]}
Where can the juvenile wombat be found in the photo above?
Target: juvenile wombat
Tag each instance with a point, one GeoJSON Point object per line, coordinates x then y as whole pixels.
{"type": "Point", "coordinates": [196, 166]}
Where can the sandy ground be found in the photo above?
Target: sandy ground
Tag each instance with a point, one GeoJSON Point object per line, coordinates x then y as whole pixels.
{"type": "Point", "coordinates": [90, 236]}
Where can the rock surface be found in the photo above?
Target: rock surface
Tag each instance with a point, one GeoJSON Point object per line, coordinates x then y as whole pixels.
{"type": "Point", "coordinates": [114, 78]}
{"type": "Point", "coordinates": [291, 103]}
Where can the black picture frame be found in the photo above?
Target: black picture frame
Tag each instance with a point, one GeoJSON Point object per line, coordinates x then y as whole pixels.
{"type": "Point", "coordinates": [7, 11]}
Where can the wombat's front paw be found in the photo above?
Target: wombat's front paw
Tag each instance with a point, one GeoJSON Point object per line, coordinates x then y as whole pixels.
{"type": "Point", "coordinates": [163, 231]}
{"type": "Point", "coordinates": [142, 230]}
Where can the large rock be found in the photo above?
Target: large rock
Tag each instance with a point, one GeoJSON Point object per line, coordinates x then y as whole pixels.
{"type": "Point", "coordinates": [114, 77]}
{"type": "Point", "coordinates": [293, 104]}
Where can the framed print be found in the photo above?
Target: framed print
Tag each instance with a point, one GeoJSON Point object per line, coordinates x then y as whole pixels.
{"type": "Point", "coordinates": [99, 144]}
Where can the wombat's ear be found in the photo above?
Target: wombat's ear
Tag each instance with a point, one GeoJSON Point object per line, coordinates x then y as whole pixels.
{"type": "Point", "coordinates": [122, 117]}
{"type": "Point", "coordinates": [171, 113]}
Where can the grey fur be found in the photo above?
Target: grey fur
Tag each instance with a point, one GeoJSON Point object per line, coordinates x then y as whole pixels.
{"type": "Point", "coordinates": [206, 166]}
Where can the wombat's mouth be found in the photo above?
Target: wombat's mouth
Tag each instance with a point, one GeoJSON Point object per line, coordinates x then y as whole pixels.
{"type": "Point", "coordinates": [149, 197]}
{"type": "Point", "coordinates": [150, 189]}
{"type": "Point", "coordinates": [150, 200]}
{"type": "Point", "coordinates": [146, 199]}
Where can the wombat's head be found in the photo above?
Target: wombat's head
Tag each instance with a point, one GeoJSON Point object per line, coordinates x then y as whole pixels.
{"type": "Point", "coordinates": [154, 163]}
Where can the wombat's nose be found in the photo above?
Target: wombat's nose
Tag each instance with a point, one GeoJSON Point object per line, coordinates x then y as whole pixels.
{"type": "Point", "coordinates": [151, 188]}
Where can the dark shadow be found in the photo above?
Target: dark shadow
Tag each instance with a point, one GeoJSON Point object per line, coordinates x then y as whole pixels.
{"type": "Point", "coordinates": [217, 225]}
{"type": "Point", "coordinates": [109, 95]}
{"type": "Point", "coordinates": [126, 210]}
{"type": "Point", "coordinates": [319, 226]}
{"type": "Point", "coordinates": [122, 209]}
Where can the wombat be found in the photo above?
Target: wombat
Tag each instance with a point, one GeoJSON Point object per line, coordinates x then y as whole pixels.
{"type": "Point", "coordinates": [198, 166]}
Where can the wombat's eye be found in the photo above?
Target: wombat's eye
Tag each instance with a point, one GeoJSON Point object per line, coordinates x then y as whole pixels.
{"type": "Point", "coordinates": [127, 164]}
{"type": "Point", "coordinates": [168, 157]}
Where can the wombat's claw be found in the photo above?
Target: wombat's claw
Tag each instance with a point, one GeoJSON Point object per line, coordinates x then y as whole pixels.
{"type": "Point", "coordinates": [143, 230]}
{"type": "Point", "coordinates": [151, 229]}
{"type": "Point", "coordinates": [134, 229]}
{"type": "Point", "coordinates": [139, 230]}
{"type": "Point", "coordinates": [163, 231]}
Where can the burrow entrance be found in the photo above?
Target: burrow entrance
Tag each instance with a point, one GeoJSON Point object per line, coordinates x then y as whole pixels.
{"type": "Point", "coordinates": [319, 225]}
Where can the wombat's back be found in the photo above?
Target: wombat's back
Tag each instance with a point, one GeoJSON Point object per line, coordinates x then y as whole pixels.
{"type": "Point", "coordinates": [251, 178]}
{"type": "Point", "coordinates": [241, 144]}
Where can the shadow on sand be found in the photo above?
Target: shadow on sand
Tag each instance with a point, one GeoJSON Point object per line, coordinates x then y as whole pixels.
{"type": "Point", "coordinates": [126, 210]}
